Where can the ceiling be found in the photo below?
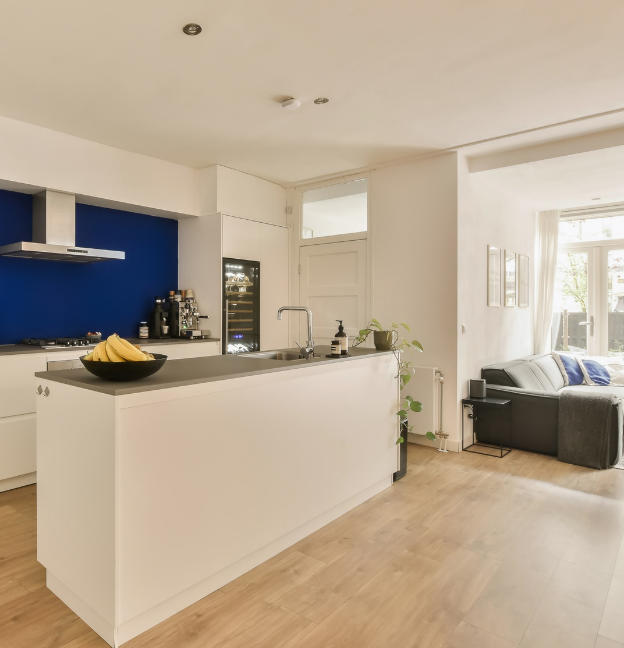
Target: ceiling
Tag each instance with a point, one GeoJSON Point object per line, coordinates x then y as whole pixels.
{"type": "Point", "coordinates": [404, 76]}
{"type": "Point", "coordinates": [562, 182]}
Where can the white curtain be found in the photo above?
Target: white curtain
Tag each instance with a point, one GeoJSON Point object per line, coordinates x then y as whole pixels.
{"type": "Point", "coordinates": [546, 244]}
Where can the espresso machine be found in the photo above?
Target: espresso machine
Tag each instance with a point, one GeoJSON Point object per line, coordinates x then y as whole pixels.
{"type": "Point", "coordinates": [184, 318]}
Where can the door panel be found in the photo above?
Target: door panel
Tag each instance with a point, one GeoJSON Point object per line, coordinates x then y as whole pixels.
{"type": "Point", "coordinates": [17, 378]}
{"type": "Point", "coordinates": [573, 303]}
{"type": "Point", "coordinates": [614, 311]}
{"type": "Point", "coordinates": [333, 285]}
{"type": "Point", "coordinates": [274, 265]}
{"type": "Point", "coordinates": [241, 238]}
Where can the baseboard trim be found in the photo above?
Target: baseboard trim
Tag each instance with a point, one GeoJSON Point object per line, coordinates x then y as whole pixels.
{"type": "Point", "coordinates": [84, 611]}
{"type": "Point", "coordinates": [17, 482]}
{"type": "Point", "coordinates": [451, 446]}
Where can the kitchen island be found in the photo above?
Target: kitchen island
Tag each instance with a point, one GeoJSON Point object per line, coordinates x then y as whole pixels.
{"type": "Point", "coordinates": [152, 494]}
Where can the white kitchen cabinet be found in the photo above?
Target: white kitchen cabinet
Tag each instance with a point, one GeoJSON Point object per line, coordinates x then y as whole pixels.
{"type": "Point", "coordinates": [17, 418]}
{"type": "Point", "coordinates": [18, 403]}
{"type": "Point", "coordinates": [242, 239]}
{"type": "Point", "coordinates": [17, 450]}
{"type": "Point", "coordinates": [17, 392]}
{"type": "Point", "coordinates": [273, 286]}
{"type": "Point", "coordinates": [206, 241]}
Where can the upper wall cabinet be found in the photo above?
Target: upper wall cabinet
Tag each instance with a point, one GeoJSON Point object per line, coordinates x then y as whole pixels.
{"type": "Point", "coordinates": [242, 239]}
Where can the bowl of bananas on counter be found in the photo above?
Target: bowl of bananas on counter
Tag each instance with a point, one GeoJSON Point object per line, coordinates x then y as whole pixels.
{"type": "Point", "coordinates": [118, 359]}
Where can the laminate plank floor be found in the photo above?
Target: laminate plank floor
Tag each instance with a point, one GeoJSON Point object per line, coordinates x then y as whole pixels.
{"type": "Point", "coordinates": [466, 551]}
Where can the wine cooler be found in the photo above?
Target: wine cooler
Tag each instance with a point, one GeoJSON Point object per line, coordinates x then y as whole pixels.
{"type": "Point", "coordinates": [241, 306]}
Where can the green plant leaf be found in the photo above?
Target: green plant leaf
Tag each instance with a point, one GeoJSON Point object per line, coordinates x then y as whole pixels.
{"type": "Point", "coordinates": [395, 325]}
{"type": "Point", "coordinates": [409, 399]}
{"type": "Point", "coordinates": [418, 345]}
{"type": "Point", "coordinates": [399, 440]}
{"type": "Point", "coordinates": [415, 406]}
{"type": "Point", "coordinates": [431, 436]}
{"type": "Point", "coordinates": [406, 327]}
{"type": "Point", "coordinates": [375, 323]}
{"type": "Point", "coordinates": [405, 378]}
{"type": "Point", "coordinates": [402, 414]}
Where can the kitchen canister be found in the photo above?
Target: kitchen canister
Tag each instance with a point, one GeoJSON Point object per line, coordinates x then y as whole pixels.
{"type": "Point", "coordinates": [143, 331]}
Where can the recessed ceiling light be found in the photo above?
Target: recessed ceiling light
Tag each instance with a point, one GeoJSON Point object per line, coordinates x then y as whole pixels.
{"type": "Point", "coordinates": [321, 100]}
{"type": "Point", "coordinates": [596, 198]}
{"type": "Point", "coordinates": [192, 29]}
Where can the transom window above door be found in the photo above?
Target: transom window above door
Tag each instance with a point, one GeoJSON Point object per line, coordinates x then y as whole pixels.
{"type": "Point", "coordinates": [335, 209]}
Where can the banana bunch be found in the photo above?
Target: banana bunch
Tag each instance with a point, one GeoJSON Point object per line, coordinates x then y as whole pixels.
{"type": "Point", "coordinates": [116, 349]}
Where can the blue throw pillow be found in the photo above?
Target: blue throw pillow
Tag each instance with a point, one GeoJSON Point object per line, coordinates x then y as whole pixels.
{"type": "Point", "coordinates": [597, 373]}
{"type": "Point", "coordinates": [572, 368]}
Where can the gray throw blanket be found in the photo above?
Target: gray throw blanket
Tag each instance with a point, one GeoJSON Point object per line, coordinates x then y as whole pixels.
{"type": "Point", "coordinates": [585, 428]}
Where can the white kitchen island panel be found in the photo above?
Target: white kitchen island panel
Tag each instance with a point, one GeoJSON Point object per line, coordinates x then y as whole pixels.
{"type": "Point", "coordinates": [193, 486]}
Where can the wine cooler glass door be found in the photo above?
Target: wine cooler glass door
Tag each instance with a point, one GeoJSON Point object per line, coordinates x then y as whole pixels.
{"type": "Point", "coordinates": [241, 306]}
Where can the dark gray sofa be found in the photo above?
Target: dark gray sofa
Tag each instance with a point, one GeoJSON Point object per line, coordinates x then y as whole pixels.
{"type": "Point", "coordinates": [534, 385]}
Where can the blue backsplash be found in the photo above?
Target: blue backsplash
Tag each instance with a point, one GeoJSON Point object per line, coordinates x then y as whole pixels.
{"type": "Point", "coordinates": [54, 299]}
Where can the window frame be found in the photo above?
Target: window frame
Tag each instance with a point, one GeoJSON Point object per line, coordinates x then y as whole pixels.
{"type": "Point", "coordinates": [336, 238]}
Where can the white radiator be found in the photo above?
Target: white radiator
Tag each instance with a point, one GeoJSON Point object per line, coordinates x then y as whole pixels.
{"type": "Point", "coordinates": [426, 386]}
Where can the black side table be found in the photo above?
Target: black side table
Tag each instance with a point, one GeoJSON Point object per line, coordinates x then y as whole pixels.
{"type": "Point", "coordinates": [479, 407]}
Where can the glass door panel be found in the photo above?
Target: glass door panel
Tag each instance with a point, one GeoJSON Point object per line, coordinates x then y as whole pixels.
{"type": "Point", "coordinates": [615, 301]}
{"type": "Point", "coordinates": [241, 306]}
{"type": "Point", "coordinates": [571, 303]}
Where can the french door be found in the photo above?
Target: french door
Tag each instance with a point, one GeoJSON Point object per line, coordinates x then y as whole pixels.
{"type": "Point", "coordinates": [588, 309]}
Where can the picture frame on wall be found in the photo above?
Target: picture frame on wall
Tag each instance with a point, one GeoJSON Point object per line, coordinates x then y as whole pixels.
{"type": "Point", "coordinates": [523, 280]}
{"type": "Point", "coordinates": [494, 288]}
{"type": "Point", "coordinates": [510, 278]}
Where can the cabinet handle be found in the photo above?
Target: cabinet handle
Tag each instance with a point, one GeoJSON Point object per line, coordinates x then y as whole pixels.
{"type": "Point", "coordinates": [46, 392]}
{"type": "Point", "coordinates": [39, 391]}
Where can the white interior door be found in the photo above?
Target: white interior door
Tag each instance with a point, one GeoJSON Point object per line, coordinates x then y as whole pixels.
{"type": "Point", "coordinates": [333, 285]}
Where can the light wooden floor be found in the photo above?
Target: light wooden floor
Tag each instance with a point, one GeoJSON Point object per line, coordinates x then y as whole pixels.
{"type": "Point", "coordinates": [466, 551]}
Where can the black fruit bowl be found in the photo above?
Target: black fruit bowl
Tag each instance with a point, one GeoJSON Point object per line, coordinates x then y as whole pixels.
{"type": "Point", "coordinates": [123, 371]}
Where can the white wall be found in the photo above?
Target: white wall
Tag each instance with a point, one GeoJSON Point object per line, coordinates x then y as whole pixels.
{"type": "Point", "coordinates": [36, 157]}
{"type": "Point", "coordinates": [489, 217]}
{"type": "Point", "coordinates": [33, 158]}
{"type": "Point", "coordinates": [414, 252]}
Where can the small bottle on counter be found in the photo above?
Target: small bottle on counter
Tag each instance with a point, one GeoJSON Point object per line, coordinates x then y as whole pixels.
{"type": "Point", "coordinates": [143, 331]}
{"type": "Point", "coordinates": [335, 348]}
{"type": "Point", "coordinates": [343, 338]}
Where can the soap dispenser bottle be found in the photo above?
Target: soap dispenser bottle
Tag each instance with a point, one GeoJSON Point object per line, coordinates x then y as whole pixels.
{"type": "Point", "coordinates": [343, 338]}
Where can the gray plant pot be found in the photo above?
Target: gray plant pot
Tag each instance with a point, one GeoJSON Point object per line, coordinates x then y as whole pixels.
{"type": "Point", "coordinates": [383, 339]}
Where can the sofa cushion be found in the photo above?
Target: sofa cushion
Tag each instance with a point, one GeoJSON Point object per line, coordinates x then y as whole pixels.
{"type": "Point", "coordinates": [594, 373]}
{"type": "Point", "coordinates": [550, 368]}
{"type": "Point", "coordinates": [572, 369]}
{"type": "Point", "coordinates": [528, 375]}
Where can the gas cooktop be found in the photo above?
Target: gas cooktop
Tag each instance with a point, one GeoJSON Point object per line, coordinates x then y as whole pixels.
{"type": "Point", "coordinates": [58, 343]}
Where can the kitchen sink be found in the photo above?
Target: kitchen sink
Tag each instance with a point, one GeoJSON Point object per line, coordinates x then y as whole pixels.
{"type": "Point", "coordinates": [271, 355]}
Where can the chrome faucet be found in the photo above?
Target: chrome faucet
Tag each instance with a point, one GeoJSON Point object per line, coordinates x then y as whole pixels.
{"type": "Point", "coordinates": [308, 350]}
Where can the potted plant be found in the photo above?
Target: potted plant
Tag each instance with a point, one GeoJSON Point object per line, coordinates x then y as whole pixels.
{"type": "Point", "coordinates": [392, 340]}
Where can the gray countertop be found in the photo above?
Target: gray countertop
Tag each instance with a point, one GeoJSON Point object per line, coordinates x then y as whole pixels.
{"type": "Point", "coordinates": [20, 349]}
{"type": "Point", "coordinates": [179, 373]}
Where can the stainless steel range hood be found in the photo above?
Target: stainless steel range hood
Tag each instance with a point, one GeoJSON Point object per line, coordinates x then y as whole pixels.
{"type": "Point", "coordinates": [54, 233]}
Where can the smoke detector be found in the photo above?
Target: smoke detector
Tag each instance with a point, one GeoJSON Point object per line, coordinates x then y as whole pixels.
{"type": "Point", "coordinates": [291, 104]}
